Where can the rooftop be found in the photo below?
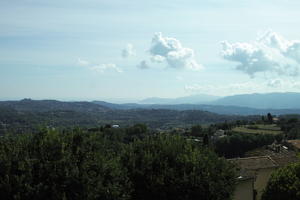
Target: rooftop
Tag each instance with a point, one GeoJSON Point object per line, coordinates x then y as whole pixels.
{"type": "Point", "coordinates": [254, 163]}
{"type": "Point", "coordinates": [295, 143]}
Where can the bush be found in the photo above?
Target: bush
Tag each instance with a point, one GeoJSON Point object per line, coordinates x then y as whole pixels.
{"type": "Point", "coordinates": [284, 184]}
{"type": "Point", "coordinates": [167, 167]}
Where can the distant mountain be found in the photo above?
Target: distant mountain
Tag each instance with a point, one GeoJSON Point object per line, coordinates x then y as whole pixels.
{"type": "Point", "coordinates": [287, 100]}
{"type": "Point", "coordinates": [194, 99]}
{"type": "Point", "coordinates": [26, 115]}
{"type": "Point", "coordinates": [51, 105]}
{"type": "Point", "coordinates": [219, 109]}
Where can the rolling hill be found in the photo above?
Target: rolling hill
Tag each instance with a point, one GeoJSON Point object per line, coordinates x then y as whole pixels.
{"type": "Point", "coordinates": [288, 100]}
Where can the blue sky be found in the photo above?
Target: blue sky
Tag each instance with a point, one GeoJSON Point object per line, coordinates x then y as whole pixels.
{"type": "Point", "coordinates": [72, 50]}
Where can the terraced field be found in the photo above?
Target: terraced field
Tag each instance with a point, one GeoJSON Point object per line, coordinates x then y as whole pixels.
{"type": "Point", "coordinates": [259, 128]}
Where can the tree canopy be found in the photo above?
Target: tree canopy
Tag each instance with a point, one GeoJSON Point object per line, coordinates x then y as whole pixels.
{"type": "Point", "coordinates": [104, 164]}
{"type": "Point", "coordinates": [284, 184]}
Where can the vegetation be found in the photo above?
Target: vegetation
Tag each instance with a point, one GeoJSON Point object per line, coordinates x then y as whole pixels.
{"type": "Point", "coordinates": [284, 184]}
{"type": "Point", "coordinates": [237, 144]}
{"type": "Point", "coordinates": [136, 162]}
{"type": "Point", "coordinates": [107, 163]}
{"type": "Point", "coordinates": [27, 115]}
{"type": "Point", "coordinates": [290, 125]}
{"type": "Point", "coordinates": [259, 128]}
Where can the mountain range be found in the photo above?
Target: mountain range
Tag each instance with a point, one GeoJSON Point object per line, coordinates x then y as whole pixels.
{"type": "Point", "coordinates": [246, 104]}
{"type": "Point", "coordinates": [288, 100]}
{"type": "Point", "coordinates": [27, 114]}
{"type": "Point", "coordinates": [194, 99]}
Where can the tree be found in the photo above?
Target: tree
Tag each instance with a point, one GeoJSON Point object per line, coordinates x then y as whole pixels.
{"type": "Point", "coordinates": [69, 165]}
{"type": "Point", "coordinates": [270, 118]}
{"type": "Point", "coordinates": [196, 130]}
{"type": "Point", "coordinates": [284, 184]}
{"type": "Point", "coordinates": [168, 167]}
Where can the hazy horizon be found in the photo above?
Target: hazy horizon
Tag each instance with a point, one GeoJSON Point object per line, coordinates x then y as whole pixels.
{"type": "Point", "coordinates": [117, 50]}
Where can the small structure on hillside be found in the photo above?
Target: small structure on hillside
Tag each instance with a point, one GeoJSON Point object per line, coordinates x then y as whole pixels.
{"type": "Point", "coordinates": [218, 134]}
{"type": "Point", "coordinates": [115, 126]}
{"type": "Point", "coordinates": [275, 119]}
{"type": "Point", "coordinates": [254, 173]}
{"type": "Point", "coordinates": [294, 144]}
{"type": "Point", "coordinates": [275, 147]}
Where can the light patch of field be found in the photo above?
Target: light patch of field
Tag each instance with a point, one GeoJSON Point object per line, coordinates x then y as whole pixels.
{"type": "Point", "coordinates": [272, 127]}
{"type": "Point", "coordinates": [259, 128]}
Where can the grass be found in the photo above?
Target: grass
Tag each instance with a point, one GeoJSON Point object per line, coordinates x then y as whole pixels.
{"type": "Point", "coordinates": [259, 128]}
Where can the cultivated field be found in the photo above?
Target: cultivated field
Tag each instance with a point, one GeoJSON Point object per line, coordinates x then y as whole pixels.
{"type": "Point", "coordinates": [259, 128]}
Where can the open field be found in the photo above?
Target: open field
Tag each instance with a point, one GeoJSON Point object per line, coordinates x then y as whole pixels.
{"type": "Point", "coordinates": [259, 128]}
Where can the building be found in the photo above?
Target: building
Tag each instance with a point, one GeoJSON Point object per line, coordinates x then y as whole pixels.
{"type": "Point", "coordinates": [218, 134]}
{"type": "Point", "coordinates": [254, 173]}
{"type": "Point", "coordinates": [294, 144]}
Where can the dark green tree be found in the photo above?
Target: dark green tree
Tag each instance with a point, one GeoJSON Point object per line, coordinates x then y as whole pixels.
{"type": "Point", "coordinates": [166, 167]}
{"type": "Point", "coordinates": [270, 118]}
{"type": "Point", "coordinates": [197, 131]}
{"type": "Point", "coordinates": [284, 184]}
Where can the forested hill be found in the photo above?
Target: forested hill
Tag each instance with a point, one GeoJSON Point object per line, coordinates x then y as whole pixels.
{"type": "Point", "coordinates": [52, 105]}
{"type": "Point", "coordinates": [219, 109]}
{"type": "Point", "coordinates": [287, 100]}
{"type": "Point", "coordinates": [27, 114]}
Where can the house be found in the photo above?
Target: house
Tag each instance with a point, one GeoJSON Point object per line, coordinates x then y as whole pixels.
{"type": "Point", "coordinates": [294, 144]}
{"type": "Point", "coordinates": [254, 173]}
{"type": "Point", "coordinates": [258, 171]}
{"type": "Point", "coordinates": [275, 119]}
{"type": "Point", "coordinates": [115, 126]}
{"type": "Point", "coordinates": [218, 134]}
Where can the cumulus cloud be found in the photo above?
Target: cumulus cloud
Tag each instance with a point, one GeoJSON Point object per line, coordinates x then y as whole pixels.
{"type": "Point", "coordinates": [82, 62]}
{"type": "Point", "coordinates": [98, 67]}
{"type": "Point", "coordinates": [143, 65]}
{"type": "Point", "coordinates": [103, 67]}
{"type": "Point", "coordinates": [275, 83]}
{"type": "Point", "coordinates": [128, 51]}
{"type": "Point", "coordinates": [171, 51]}
{"type": "Point", "coordinates": [269, 53]}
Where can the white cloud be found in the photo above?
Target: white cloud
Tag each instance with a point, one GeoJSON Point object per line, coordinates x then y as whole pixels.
{"type": "Point", "coordinates": [269, 53]}
{"type": "Point", "coordinates": [157, 59]}
{"type": "Point", "coordinates": [170, 50]}
{"type": "Point", "coordinates": [82, 62]}
{"type": "Point", "coordinates": [143, 65]}
{"type": "Point", "coordinates": [128, 51]}
{"type": "Point", "coordinates": [103, 67]}
{"type": "Point", "coordinates": [276, 83]}
{"type": "Point", "coordinates": [99, 68]}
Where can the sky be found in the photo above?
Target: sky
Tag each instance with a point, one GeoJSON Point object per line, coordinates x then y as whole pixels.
{"type": "Point", "coordinates": [124, 51]}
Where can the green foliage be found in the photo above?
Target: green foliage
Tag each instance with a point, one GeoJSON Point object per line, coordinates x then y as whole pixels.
{"type": "Point", "coordinates": [24, 116]}
{"type": "Point", "coordinates": [284, 184]}
{"type": "Point", "coordinates": [166, 167]}
{"type": "Point", "coordinates": [291, 127]}
{"type": "Point", "coordinates": [102, 163]}
{"type": "Point", "coordinates": [237, 144]}
{"type": "Point", "coordinates": [50, 165]}
{"type": "Point", "coordinates": [197, 131]}
{"type": "Point", "coordinates": [270, 118]}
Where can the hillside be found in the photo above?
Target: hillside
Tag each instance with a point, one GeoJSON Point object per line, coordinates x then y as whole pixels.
{"type": "Point", "coordinates": [219, 109]}
{"type": "Point", "coordinates": [193, 99]}
{"type": "Point", "coordinates": [287, 100]}
{"type": "Point", "coordinates": [27, 114]}
{"type": "Point", "coordinates": [52, 105]}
